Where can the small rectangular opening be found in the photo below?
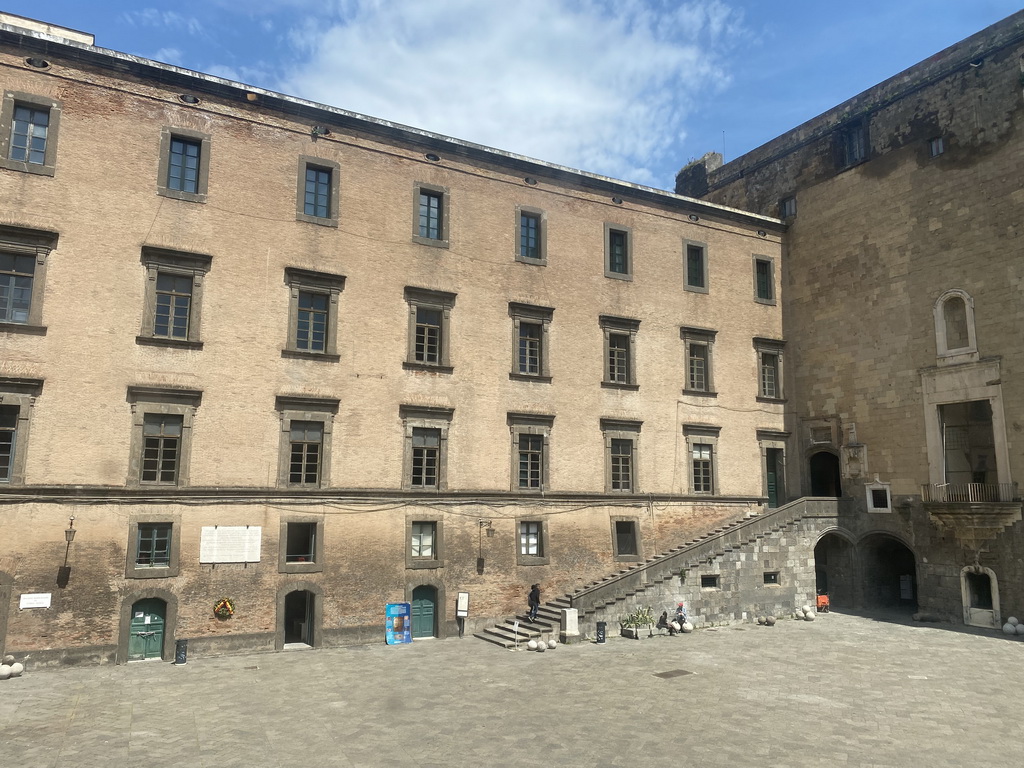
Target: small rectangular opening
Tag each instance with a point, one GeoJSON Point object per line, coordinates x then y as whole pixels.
{"type": "Point", "coordinates": [709, 582]}
{"type": "Point", "coordinates": [879, 498]}
{"type": "Point", "coordinates": [301, 544]}
{"type": "Point", "coordinates": [771, 577]}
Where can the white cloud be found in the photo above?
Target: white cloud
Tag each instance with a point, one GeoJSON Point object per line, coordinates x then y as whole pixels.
{"type": "Point", "coordinates": [595, 84]}
{"type": "Point", "coordinates": [168, 56]}
{"type": "Point", "coordinates": [153, 17]}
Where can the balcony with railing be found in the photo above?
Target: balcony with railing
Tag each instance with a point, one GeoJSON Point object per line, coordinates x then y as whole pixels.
{"type": "Point", "coordinates": [970, 493]}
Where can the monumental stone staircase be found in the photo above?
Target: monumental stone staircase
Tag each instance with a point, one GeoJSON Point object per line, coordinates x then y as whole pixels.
{"type": "Point", "coordinates": [598, 599]}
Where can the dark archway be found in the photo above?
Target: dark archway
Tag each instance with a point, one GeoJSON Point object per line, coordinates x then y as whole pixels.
{"type": "Point", "coordinates": [298, 618]}
{"type": "Point", "coordinates": [835, 570]}
{"type": "Point", "coordinates": [889, 571]}
{"type": "Point", "coordinates": [826, 479]}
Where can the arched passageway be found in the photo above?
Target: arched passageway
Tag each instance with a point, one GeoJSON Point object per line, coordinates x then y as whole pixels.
{"type": "Point", "coordinates": [826, 479]}
{"type": "Point", "coordinates": [835, 569]}
{"type": "Point", "coordinates": [889, 571]}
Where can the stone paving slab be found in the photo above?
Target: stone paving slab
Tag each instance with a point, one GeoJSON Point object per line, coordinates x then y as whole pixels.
{"type": "Point", "coordinates": [840, 691]}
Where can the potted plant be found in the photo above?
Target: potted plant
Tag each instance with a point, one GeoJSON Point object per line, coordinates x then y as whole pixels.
{"type": "Point", "coordinates": [634, 623]}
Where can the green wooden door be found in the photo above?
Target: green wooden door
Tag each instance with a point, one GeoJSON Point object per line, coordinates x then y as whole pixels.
{"type": "Point", "coordinates": [424, 610]}
{"type": "Point", "coordinates": [772, 459]}
{"type": "Point", "coordinates": [146, 640]}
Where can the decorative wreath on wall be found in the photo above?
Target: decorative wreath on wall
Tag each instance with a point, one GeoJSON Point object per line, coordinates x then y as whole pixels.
{"type": "Point", "coordinates": [224, 609]}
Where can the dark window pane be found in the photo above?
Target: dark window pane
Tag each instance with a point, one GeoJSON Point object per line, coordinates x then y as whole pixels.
{"type": "Point", "coordinates": [311, 325]}
{"type": "Point", "coordinates": [695, 266]}
{"type": "Point", "coordinates": [430, 215]}
{"type": "Point", "coordinates": [183, 166]}
{"type": "Point", "coordinates": [618, 253]}
{"type": "Point", "coordinates": [317, 200]}
{"type": "Point", "coordinates": [529, 236]}
{"type": "Point", "coordinates": [28, 134]}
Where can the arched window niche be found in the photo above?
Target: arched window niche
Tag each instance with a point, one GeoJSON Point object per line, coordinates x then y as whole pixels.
{"type": "Point", "coordinates": [955, 340]}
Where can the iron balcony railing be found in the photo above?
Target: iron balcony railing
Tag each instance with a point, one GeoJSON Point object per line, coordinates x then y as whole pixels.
{"type": "Point", "coordinates": [970, 493]}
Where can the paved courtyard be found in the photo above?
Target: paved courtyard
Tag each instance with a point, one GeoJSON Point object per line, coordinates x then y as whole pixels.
{"type": "Point", "coordinates": [843, 690]}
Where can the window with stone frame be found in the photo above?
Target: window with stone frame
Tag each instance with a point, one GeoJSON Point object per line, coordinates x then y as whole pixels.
{"type": "Point", "coordinates": [23, 257]}
{"type": "Point", "coordinates": [532, 541]}
{"type": "Point", "coordinates": [530, 326]}
{"type": "Point", "coordinates": [17, 401]}
{"type": "Point", "coordinates": [696, 266]}
{"type": "Point", "coordinates": [531, 434]}
{"type": "Point", "coordinates": [618, 252]}
{"type": "Point", "coordinates": [184, 171]}
{"type": "Point", "coordinates": [153, 545]}
{"type": "Point", "coordinates": [698, 352]}
{"type": "Point", "coordinates": [318, 191]}
{"type": "Point", "coordinates": [172, 309]}
{"type": "Point", "coordinates": [429, 323]}
{"type": "Point", "coordinates": [764, 280]}
{"type": "Point", "coordinates": [702, 449]}
{"type": "Point", "coordinates": [769, 368]}
{"type": "Point", "coordinates": [531, 236]}
{"type": "Point", "coordinates": [307, 425]}
{"type": "Point", "coordinates": [424, 536]}
{"type": "Point", "coordinates": [626, 543]}
{"type": "Point", "coordinates": [301, 544]}
{"type": "Point", "coordinates": [313, 299]}
{"type": "Point", "coordinates": [621, 449]}
{"type": "Point", "coordinates": [28, 133]}
{"type": "Point", "coordinates": [619, 351]}
{"type": "Point", "coordinates": [426, 447]}
{"type": "Point", "coordinates": [851, 144]}
{"type": "Point", "coordinates": [161, 435]}
{"type": "Point", "coordinates": [955, 336]}
{"type": "Point", "coordinates": [431, 220]}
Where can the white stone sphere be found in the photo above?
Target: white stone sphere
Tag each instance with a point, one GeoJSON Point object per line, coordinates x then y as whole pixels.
{"type": "Point", "coordinates": [809, 617]}
{"type": "Point", "coordinates": [1009, 629]}
{"type": "Point", "coordinates": [1011, 620]}
{"type": "Point", "coordinates": [806, 609]}
{"type": "Point", "coordinates": [5, 671]}
{"type": "Point", "coordinates": [552, 643]}
{"type": "Point", "coordinates": [687, 627]}
{"type": "Point", "coordinates": [1020, 629]}
{"type": "Point", "coordinates": [770, 620]}
{"type": "Point", "coordinates": [8, 659]}
{"type": "Point", "coordinates": [532, 645]}
{"type": "Point", "coordinates": [760, 619]}
{"type": "Point", "coordinates": [16, 669]}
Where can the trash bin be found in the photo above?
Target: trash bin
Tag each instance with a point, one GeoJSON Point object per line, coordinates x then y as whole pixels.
{"type": "Point", "coordinates": [602, 631]}
{"type": "Point", "coordinates": [181, 652]}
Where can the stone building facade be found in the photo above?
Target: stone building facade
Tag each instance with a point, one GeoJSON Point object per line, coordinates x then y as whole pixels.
{"type": "Point", "coordinates": [262, 349]}
{"type": "Point", "coordinates": [903, 280]}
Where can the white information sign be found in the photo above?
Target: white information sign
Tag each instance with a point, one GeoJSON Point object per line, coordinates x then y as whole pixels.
{"type": "Point", "coordinates": [38, 600]}
{"type": "Point", "coordinates": [230, 544]}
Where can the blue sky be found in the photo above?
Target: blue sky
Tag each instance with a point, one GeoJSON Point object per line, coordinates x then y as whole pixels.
{"type": "Point", "coordinates": [632, 89]}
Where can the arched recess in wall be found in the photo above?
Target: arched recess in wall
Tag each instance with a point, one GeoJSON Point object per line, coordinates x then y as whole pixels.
{"type": "Point", "coordinates": [423, 585]}
{"type": "Point", "coordinates": [825, 475]}
{"type": "Point", "coordinates": [955, 337]}
{"type": "Point", "coordinates": [835, 567]}
{"type": "Point", "coordinates": [980, 591]}
{"type": "Point", "coordinates": [299, 603]}
{"type": "Point", "coordinates": [888, 571]}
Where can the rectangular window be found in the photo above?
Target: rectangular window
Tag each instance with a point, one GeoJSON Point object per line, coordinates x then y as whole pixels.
{"type": "Point", "coordinates": [709, 582]}
{"type": "Point", "coordinates": [311, 326]}
{"type": "Point", "coordinates": [529, 348]}
{"type": "Point", "coordinates": [426, 447]}
{"type": "Point", "coordinates": [696, 267]}
{"type": "Point", "coordinates": [531, 461]}
{"type": "Point", "coordinates": [426, 450]}
{"type": "Point", "coordinates": [183, 165]}
{"type": "Point", "coordinates": [618, 259]}
{"type": "Point", "coordinates": [769, 375]}
{"type": "Point", "coordinates": [529, 236]}
{"type": "Point", "coordinates": [764, 280]}
{"type": "Point", "coordinates": [313, 314]}
{"type": "Point", "coordinates": [769, 365]}
{"type": "Point", "coordinates": [771, 577]}
{"type": "Point", "coordinates": [621, 441]}
{"type": "Point", "coordinates": [317, 197]}
{"type": "Point", "coordinates": [161, 448]}
{"type": "Point", "coordinates": [852, 145]}
{"type": "Point", "coordinates": [306, 440]}
{"type": "Point", "coordinates": [429, 317]}
{"type": "Point", "coordinates": [173, 302]}
{"type": "Point", "coordinates": [300, 546]}
{"type": "Point", "coordinates": [427, 348]}
{"type": "Point", "coordinates": [318, 190]}
{"type": "Point", "coordinates": [622, 465]}
{"type": "Point", "coordinates": [422, 540]}
{"type": "Point", "coordinates": [619, 350]}
{"type": "Point", "coordinates": [16, 276]}
{"type": "Point", "coordinates": [936, 146]}
{"type": "Point", "coordinates": [430, 215]}
{"type": "Point", "coordinates": [626, 538]}
{"type": "Point", "coordinates": [703, 477]}
{"type": "Point", "coordinates": [529, 358]}
{"type": "Point", "coordinates": [697, 368]}
{"type": "Point", "coordinates": [8, 438]}
{"type": "Point", "coordinates": [153, 548]}
{"type": "Point", "coordinates": [787, 207]}
{"type": "Point", "coordinates": [28, 133]}
{"type": "Point", "coordinates": [173, 305]}
{"type": "Point", "coordinates": [702, 447]}
{"type": "Point", "coordinates": [531, 542]}
{"type": "Point", "coordinates": [161, 434]}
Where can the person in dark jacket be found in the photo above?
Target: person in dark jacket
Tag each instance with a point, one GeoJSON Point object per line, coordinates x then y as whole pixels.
{"type": "Point", "coordinates": [534, 601]}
